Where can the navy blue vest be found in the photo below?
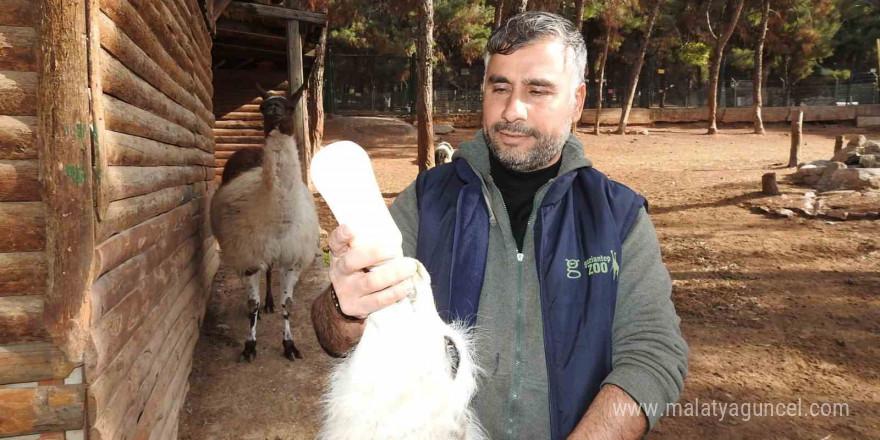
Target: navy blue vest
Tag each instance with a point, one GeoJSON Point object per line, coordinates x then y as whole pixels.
{"type": "Point", "coordinates": [579, 230]}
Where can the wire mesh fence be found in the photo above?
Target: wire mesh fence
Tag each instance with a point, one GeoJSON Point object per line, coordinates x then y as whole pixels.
{"type": "Point", "coordinates": [379, 84]}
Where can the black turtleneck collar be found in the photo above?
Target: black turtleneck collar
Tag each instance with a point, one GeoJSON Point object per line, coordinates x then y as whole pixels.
{"type": "Point", "coordinates": [518, 191]}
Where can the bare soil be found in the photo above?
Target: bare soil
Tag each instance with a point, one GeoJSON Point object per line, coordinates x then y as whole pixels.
{"type": "Point", "coordinates": [775, 310]}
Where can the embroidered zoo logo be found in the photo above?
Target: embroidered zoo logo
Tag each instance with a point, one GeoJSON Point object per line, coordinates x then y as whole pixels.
{"type": "Point", "coordinates": [575, 268]}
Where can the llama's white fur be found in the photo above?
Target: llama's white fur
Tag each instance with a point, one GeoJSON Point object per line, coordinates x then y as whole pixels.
{"type": "Point", "coordinates": [266, 215]}
{"type": "Point", "coordinates": [397, 383]}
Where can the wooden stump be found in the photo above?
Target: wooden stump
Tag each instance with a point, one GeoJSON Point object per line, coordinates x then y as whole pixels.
{"type": "Point", "coordinates": [797, 131]}
{"type": "Point", "coordinates": [768, 184]}
{"type": "Point", "coordinates": [838, 143]}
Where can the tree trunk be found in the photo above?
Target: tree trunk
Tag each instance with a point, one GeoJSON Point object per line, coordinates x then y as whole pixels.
{"type": "Point", "coordinates": [600, 88]}
{"type": "Point", "coordinates": [316, 95]}
{"type": "Point", "coordinates": [521, 6]}
{"type": "Point", "coordinates": [425, 88]}
{"type": "Point", "coordinates": [579, 22]}
{"type": "Point", "coordinates": [499, 13]}
{"type": "Point", "coordinates": [797, 132]}
{"type": "Point", "coordinates": [634, 79]}
{"type": "Point", "coordinates": [759, 68]}
{"type": "Point", "coordinates": [715, 64]}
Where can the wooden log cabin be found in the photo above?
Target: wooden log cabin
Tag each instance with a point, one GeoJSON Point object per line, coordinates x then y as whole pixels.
{"type": "Point", "coordinates": [107, 163]}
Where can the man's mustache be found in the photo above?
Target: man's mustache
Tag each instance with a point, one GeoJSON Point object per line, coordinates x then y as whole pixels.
{"type": "Point", "coordinates": [515, 127]}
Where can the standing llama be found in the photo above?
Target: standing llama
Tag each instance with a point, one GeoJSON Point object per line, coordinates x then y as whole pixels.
{"type": "Point", "coordinates": [263, 216]}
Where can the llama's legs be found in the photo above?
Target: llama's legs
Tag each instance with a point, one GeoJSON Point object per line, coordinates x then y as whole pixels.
{"type": "Point", "coordinates": [289, 276]}
{"type": "Point", "coordinates": [270, 301]}
{"type": "Point", "coordinates": [252, 277]}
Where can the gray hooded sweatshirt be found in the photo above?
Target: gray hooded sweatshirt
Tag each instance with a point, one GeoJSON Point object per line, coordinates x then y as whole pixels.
{"type": "Point", "coordinates": [649, 356]}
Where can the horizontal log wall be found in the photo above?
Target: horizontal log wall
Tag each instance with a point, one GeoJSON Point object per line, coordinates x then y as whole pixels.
{"type": "Point", "coordinates": [155, 257]}
{"type": "Point", "coordinates": [27, 354]}
{"type": "Point", "coordinates": [239, 123]}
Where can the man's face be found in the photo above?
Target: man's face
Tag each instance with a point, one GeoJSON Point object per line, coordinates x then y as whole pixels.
{"type": "Point", "coordinates": [529, 102]}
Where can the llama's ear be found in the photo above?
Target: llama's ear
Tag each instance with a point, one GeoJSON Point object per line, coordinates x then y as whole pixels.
{"type": "Point", "coordinates": [263, 91]}
{"type": "Point", "coordinates": [295, 96]}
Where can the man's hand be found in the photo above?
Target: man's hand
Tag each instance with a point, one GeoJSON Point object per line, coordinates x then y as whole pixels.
{"type": "Point", "coordinates": [360, 292]}
{"type": "Point", "coordinates": [613, 415]}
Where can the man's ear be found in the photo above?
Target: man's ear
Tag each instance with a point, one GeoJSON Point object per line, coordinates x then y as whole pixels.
{"type": "Point", "coordinates": [580, 95]}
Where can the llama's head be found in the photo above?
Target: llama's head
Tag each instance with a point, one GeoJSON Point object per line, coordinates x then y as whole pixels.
{"type": "Point", "coordinates": [278, 110]}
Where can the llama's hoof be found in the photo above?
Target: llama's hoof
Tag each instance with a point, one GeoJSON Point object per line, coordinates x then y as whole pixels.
{"type": "Point", "coordinates": [250, 351]}
{"type": "Point", "coordinates": [290, 351]}
{"type": "Point", "coordinates": [269, 307]}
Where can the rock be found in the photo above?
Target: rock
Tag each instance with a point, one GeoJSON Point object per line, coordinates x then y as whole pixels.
{"type": "Point", "coordinates": [850, 178]}
{"type": "Point", "coordinates": [869, 161]}
{"type": "Point", "coordinates": [839, 214]}
{"type": "Point", "coordinates": [808, 175]}
{"type": "Point", "coordinates": [643, 131]}
{"type": "Point", "coordinates": [857, 141]}
{"type": "Point", "coordinates": [815, 164]}
{"type": "Point", "coordinates": [844, 154]}
{"type": "Point", "coordinates": [787, 213]}
{"type": "Point", "coordinates": [871, 147]}
{"type": "Point", "coordinates": [443, 129]}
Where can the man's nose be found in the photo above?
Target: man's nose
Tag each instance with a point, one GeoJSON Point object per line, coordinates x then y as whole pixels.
{"type": "Point", "coordinates": [514, 110]}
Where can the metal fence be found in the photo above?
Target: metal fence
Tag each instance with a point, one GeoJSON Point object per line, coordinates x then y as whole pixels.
{"type": "Point", "coordinates": [378, 84]}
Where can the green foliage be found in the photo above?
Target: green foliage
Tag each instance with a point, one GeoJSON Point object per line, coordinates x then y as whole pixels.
{"type": "Point", "coordinates": [742, 59]}
{"type": "Point", "coordinates": [694, 54]}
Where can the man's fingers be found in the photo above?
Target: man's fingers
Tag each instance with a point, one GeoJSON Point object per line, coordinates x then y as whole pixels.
{"type": "Point", "coordinates": [382, 277]}
{"type": "Point", "coordinates": [339, 240]}
{"type": "Point", "coordinates": [357, 259]}
{"type": "Point", "coordinates": [389, 296]}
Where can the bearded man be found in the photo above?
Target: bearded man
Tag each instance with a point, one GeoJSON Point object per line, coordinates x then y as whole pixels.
{"type": "Point", "coordinates": [557, 267]}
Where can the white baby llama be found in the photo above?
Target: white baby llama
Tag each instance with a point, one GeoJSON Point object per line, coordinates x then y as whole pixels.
{"type": "Point", "coordinates": [443, 153]}
{"type": "Point", "coordinates": [263, 216]}
{"type": "Point", "coordinates": [411, 377]}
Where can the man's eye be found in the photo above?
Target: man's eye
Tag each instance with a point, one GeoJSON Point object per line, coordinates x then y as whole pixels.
{"type": "Point", "coordinates": [499, 89]}
{"type": "Point", "coordinates": [539, 92]}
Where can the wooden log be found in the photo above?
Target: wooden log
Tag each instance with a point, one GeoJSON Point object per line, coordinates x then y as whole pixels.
{"type": "Point", "coordinates": [232, 147]}
{"type": "Point", "coordinates": [21, 319]}
{"type": "Point", "coordinates": [96, 89]}
{"type": "Point", "coordinates": [240, 116]}
{"type": "Point", "coordinates": [124, 386]}
{"type": "Point", "coordinates": [254, 125]}
{"type": "Point", "coordinates": [19, 181]}
{"type": "Point", "coordinates": [111, 393]}
{"type": "Point", "coordinates": [190, 49]}
{"type": "Point", "coordinates": [838, 143]}
{"type": "Point", "coordinates": [132, 242]}
{"type": "Point", "coordinates": [224, 154]}
{"type": "Point", "coordinates": [18, 48]}
{"type": "Point", "coordinates": [120, 82]}
{"type": "Point", "coordinates": [166, 398]}
{"type": "Point", "coordinates": [245, 108]}
{"type": "Point", "coordinates": [125, 182]}
{"type": "Point", "coordinates": [22, 226]}
{"type": "Point", "coordinates": [63, 138]}
{"type": "Point", "coordinates": [116, 42]}
{"type": "Point", "coordinates": [258, 140]}
{"type": "Point", "coordinates": [220, 163]}
{"type": "Point", "coordinates": [17, 137]}
{"type": "Point", "coordinates": [115, 328]}
{"type": "Point", "coordinates": [278, 12]}
{"type": "Point", "coordinates": [23, 273]}
{"type": "Point", "coordinates": [130, 21]}
{"type": "Point", "coordinates": [223, 132]}
{"type": "Point", "coordinates": [167, 254]}
{"type": "Point", "coordinates": [127, 213]}
{"type": "Point", "coordinates": [127, 150]}
{"type": "Point", "coordinates": [797, 131]}
{"type": "Point", "coordinates": [41, 409]}
{"type": "Point", "coordinates": [33, 362]}
{"type": "Point", "coordinates": [18, 13]}
{"type": "Point", "coordinates": [126, 118]}
{"type": "Point", "coordinates": [199, 36]}
{"type": "Point", "coordinates": [768, 184]}
{"type": "Point", "coordinates": [18, 93]}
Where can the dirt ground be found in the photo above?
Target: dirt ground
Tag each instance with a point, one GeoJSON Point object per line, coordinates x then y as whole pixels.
{"type": "Point", "coordinates": [775, 310]}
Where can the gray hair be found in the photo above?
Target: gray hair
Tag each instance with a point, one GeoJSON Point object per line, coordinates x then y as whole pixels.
{"type": "Point", "coordinates": [530, 27]}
